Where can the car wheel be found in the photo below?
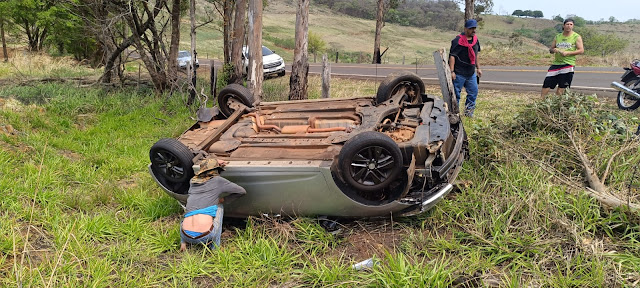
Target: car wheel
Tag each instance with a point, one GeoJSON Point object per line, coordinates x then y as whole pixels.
{"type": "Point", "coordinates": [396, 81]}
{"type": "Point", "coordinates": [231, 95]}
{"type": "Point", "coordinates": [171, 161]}
{"type": "Point", "coordinates": [370, 161]}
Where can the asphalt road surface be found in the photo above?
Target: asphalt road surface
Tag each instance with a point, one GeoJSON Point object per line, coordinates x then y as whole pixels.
{"type": "Point", "coordinates": [586, 79]}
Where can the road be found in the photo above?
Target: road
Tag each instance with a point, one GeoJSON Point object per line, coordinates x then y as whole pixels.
{"type": "Point", "coordinates": [522, 78]}
{"type": "Point", "coordinates": [586, 79]}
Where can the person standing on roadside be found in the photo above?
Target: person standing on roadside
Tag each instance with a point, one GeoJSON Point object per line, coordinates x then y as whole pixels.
{"type": "Point", "coordinates": [202, 222]}
{"type": "Point", "coordinates": [565, 46]}
{"type": "Point", "coordinates": [463, 62]}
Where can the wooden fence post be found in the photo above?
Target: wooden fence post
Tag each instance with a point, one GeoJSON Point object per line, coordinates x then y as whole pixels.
{"type": "Point", "coordinates": [212, 79]}
{"type": "Point", "coordinates": [326, 76]}
{"type": "Point", "coordinates": [139, 68]}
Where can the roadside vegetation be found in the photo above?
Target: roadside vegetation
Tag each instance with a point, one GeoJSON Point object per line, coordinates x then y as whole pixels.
{"type": "Point", "coordinates": [79, 207]}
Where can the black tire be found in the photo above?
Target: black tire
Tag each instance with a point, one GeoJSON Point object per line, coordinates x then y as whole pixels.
{"type": "Point", "coordinates": [626, 102]}
{"type": "Point", "coordinates": [395, 81]}
{"type": "Point", "coordinates": [171, 161]}
{"type": "Point", "coordinates": [233, 93]}
{"type": "Point", "coordinates": [370, 161]}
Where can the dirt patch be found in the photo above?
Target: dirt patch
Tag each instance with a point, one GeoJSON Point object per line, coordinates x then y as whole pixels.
{"type": "Point", "coordinates": [360, 240]}
{"type": "Point", "coordinates": [73, 156]}
{"type": "Point", "coordinates": [39, 247]}
{"type": "Point", "coordinates": [206, 281]}
{"type": "Point", "coordinates": [366, 239]}
{"type": "Point", "coordinates": [8, 130]}
{"type": "Point", "coordinates": [11, 104]}
{"type": "Point", "coordinates": [19, 149]}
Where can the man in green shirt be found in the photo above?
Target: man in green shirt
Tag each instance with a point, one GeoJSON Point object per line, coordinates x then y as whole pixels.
{"type": "Point", "coordinates": [565, 46]}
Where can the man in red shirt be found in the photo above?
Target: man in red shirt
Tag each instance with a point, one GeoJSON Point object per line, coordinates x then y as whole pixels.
{"type": "Point", "coordinates": [463, 62]}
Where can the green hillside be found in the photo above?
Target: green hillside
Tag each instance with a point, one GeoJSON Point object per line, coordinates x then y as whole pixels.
{"type": "Point", "coordinates": [349, 35]}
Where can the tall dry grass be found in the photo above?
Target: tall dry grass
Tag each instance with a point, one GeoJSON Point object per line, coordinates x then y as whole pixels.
{"type": "Point", "coordinates": [23, 64]}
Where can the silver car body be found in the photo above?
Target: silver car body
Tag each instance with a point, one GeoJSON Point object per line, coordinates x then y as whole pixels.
{"type": "Point", "coordinates": [280, 178]}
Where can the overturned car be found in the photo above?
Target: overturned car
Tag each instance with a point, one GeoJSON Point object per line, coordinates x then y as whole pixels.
{"type": "Point", "coordinates": [393, 153]}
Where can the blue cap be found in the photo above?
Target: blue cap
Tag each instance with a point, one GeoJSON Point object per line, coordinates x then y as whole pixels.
{"type": "Point", "coordinates": [471, 23]}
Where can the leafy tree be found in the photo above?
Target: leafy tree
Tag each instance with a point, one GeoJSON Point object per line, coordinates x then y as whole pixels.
{"type": "Point", "coordinates": [68, 32]}
{"type": "Point", "coordinates": [613, 19]}
{"type": "Point", "coordinates": [527, 13]}
{"type": "Point", "coordinates": [537, 14]}
{"type": "Point", "coordinates": [518, 13]}
{"type": "Point", "coordinates": [558, 18]}
{"type": "Point", "coordinates": [486, 6]}
{"type": "Point", "coordinates": [34, 19]}
{"type": "Point", "coordinates": [577, 20]}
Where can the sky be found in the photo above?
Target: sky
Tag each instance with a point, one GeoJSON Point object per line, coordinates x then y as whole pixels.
{"type": "Point", "coordinates": [588, 9]}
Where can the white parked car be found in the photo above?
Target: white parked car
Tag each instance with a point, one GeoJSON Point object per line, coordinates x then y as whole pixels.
{"type": "Point", "coordinates": [184, 59]}
{"type": "Point", "coordinates": [271, 62]}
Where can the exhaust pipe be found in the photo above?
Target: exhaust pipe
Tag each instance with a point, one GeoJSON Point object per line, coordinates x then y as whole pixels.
{"type": "Point", "coordinates": [626, 90]}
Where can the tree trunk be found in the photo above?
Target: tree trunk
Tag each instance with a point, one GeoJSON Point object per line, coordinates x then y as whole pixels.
{"type": "Point", "coordinates": [29, 36]}
{"type": "Point", "coordinates": [4, 42]}
{"type": "Point", "coordinates": [227, 7]}
{"type": "Point", "coordinates": [256, 72]}
{"type": "Point", "coordinates": [237, 41]}
{"type": "Point", "coordinates": [379, 25]}
{"type": "Point", "coordinates": [172, 74]}
{"type": "Point", "coordinates": [194, 54]}
{"type": "Point", "coordinates": [468, 9]}
{"type": "Point", "coordinates": [300, 65]}
{"type": "Point", "coordinates": [41, 38]}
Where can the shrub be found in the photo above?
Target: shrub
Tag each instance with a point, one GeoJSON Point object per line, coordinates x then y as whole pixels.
{"type": "Point", "coordinates": [509, 19]}
{"type": "Point", "coordinates": [600, 44]}
{"type": "Point", "coordinates": [547, 35]}
{"type": "Point", "coordinates": [224, 76]}
{"type": "Point", "coordinates": [316, 44]}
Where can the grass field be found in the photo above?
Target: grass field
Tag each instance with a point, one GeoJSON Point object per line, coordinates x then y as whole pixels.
{"type": "Point", "coordinates": [80, 209]}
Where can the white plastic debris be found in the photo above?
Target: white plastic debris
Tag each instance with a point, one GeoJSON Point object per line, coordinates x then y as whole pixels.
{"type": "Point", "coordinates": [366, 264]}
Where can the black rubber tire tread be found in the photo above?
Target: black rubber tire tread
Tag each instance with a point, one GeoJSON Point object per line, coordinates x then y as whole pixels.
{"type": "Point", "coordinates": [237, 91]}
{"type": "Point", "coordinates": [363, 143]}
{"type": "Point", "coordinates": [173, 152]}
{"type": "Point", "coordinates": [621, 95]}
{"type": "Point", "coordinates": [390, 85]}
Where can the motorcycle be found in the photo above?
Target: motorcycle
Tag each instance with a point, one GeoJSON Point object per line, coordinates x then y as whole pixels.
{"type": "Point", "coordinates": [629, 89]}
